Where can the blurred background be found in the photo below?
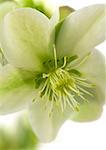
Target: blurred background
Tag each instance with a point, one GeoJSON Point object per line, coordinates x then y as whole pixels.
{"type": "Point", "coordinates": [16, 133]}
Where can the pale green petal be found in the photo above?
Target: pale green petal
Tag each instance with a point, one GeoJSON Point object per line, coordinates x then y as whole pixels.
{"type": "Point", "coordinates": [56, 22]}
{"type": "Point", "coordinates": [54, 19]}
{"type": "Point", "coordinates": [6, 7]}
{"type": "Point", "coordinates": [3, 60]}
{"type": "Point", "coordinates": [93, 69]}
{"type": "Point", "coordinates": [53, 22]}
{"type": "Point", "coordinates": [60, 14]}
{"type": "Point", "coordinates": [25, 38]}
{"type": "Point", "coordinates": [16, 89]}
{"type": "Point", "coordinates": [0, 56]}
{"type": "Point", "coordinates": [82, 30]}
{"type": "Point", "coordinates": [44, 125]}
{"type": "Point", "coordinates": [89, 111]}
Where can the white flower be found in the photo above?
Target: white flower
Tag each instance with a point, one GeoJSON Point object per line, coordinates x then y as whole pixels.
{"type": "Point", "coordinates": [53, 69]}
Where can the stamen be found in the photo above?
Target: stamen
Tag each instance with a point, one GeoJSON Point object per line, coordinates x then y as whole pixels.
{"type": "Point", "coordinates": [65, 62]}
{"type": "Point", "coordinates": [83, 59]}
{"type": "Point", "coordinates": [85, 91]}
{"type": "Point", "coordinates": [64, 86]}
{"type": "Point", "coordinates": [55, 56]}
{"type": "Point", "coordinates": [71, 99]}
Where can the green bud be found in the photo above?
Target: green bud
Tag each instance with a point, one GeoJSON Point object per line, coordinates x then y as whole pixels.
{"type": "Point", "coordinates": [25, 3]}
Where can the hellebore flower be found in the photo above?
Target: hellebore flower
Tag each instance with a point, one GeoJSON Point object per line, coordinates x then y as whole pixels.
{"type": "Point", "coordinates": [53, 68]}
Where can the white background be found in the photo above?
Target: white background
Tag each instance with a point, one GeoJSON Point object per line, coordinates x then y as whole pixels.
{"type": "Point", "coordinates": [74, 136]}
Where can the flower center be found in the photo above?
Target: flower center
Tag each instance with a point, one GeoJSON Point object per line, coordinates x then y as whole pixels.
{"type": "Point", "coordinates": [64, 86]}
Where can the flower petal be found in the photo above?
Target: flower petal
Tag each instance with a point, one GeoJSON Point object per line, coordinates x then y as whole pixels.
{"type": "Point", "coordinates": [56, 22]}
{"type": "Point", "coordinates": [44, 125]}
{"type": "Point", "coordinates": [6, 7]}
{"type": "Point", "coordinates": [16, 89]}
{"type": "Point", "coordinates": [54, 19]}
{"type": "Point", "coordinates": [60, 14]}
{"type": "Point", "coordinates": [3, 60]}
{"type": "Point", "coordinates": [0, 57]}
{"type": "Point", "coordinates": [94, 70]}
{"type": "Point", "coordinates": [82, 31]}
{"type": "Point", "coordinates": [25, 38]}
{"type": "Point", "coordinates": [91, 110]}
